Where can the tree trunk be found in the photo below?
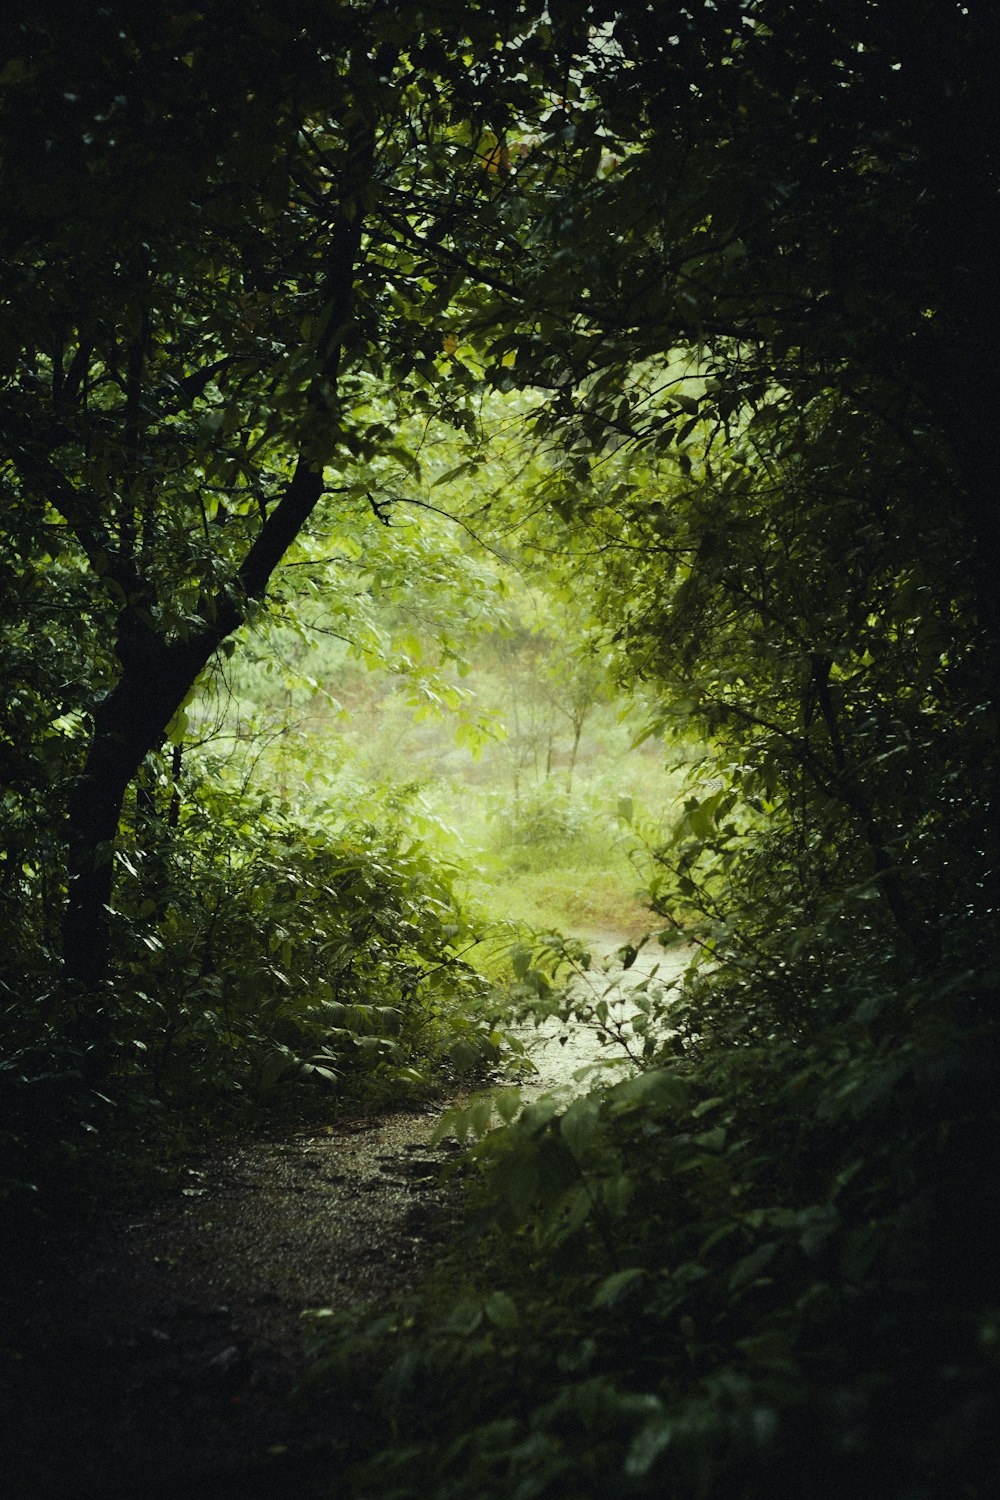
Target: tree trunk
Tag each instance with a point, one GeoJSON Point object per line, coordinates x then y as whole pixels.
{"type": "Point", "coordinates": [157, 675]}
{"type": "Point", "coordinates": [132, 720]}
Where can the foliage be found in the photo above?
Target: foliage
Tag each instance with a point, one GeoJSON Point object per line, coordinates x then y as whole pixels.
{"type": "Point", "coordinates": [763, 1263]}
{"type": "Point", "coordinates": [722, 270]}
{"type": "Point", "coordinates": [713, 1275]}
{"type": "Point", "coordinates": [315, 949]}
{"type": "Point", "coordinates": [257, 951]}
{"type": "Point", "coordinates": [213, 334]}
{"type": "Point", "coordinates": [541, 825]}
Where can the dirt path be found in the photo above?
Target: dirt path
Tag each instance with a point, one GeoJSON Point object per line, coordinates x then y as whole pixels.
{"type": "Point", "coordinates": [566, 1056]}
{"type": "Point", "coordinates": [153, 1355]}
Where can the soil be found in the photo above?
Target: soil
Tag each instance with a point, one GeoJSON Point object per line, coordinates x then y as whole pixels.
{"type": "Point", "coordinates": [154, 1353]}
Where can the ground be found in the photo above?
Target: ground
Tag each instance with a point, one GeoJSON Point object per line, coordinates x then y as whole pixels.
{"type": "Point", "coordinates": [154, 1354]}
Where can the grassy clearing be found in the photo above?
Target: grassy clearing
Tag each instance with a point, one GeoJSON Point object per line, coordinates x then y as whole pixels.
{"type": "Point", "coordinates": [571, 900]}
{"type": "Point", "coordinates": [527, 817]}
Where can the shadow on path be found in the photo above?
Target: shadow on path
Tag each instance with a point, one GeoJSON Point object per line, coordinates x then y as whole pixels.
{"type": "Point", "coordinates": [154, 1355]}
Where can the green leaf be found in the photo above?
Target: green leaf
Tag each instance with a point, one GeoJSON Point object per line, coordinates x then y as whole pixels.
{"type": "Point", "coordinates": [469, 466]}
{"type": "Point", "coordinates": [501, 1310]}
{"type": "Point", "coordinates": [507, 1103]}
{"type": "Point", "coordinates": [647, 1445]}
{"type": "Point", "coordinates": [656, 1089]}
{"type": "Point", "coordinates": [403, 456]}
{"type": "Point", "coordinates": [750, 1267]}
{"type": "Point", "coordinates": [178, 727]}
{"type": "Point", "coordinates": [615, 1288]}
{"type": "Point", "coordinates": [580, 1125]}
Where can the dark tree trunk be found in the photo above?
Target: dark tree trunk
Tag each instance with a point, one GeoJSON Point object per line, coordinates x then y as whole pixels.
{"type": "Point", "coordinates": [132, 720]}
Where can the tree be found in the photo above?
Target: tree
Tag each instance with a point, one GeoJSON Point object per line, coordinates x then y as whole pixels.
{"type": "Point", "coordinates": [754, 424]}
{"type": "Point", "coordinates": [769, 424]}
{"type": "Point", "coordinates": [220, 277]}
{"type": "Point", "coordinates": [216, 256]}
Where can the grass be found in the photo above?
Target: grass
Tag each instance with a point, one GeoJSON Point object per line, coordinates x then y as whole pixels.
{"type": "Point", "coordinates": [533, 841]}
{"type": "Point", "coordinates": [574, 901]}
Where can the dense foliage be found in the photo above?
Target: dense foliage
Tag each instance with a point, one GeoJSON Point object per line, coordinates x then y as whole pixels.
{"type": "Point", "coordinates": [719, 280]}
{"type": "Point", "coordinates": [223, 286]}
{"type": "Point", "coordinates": [764, 1265]}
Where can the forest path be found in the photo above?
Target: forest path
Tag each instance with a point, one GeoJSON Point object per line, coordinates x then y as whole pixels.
{"type": "Point", "coordinates": [566, 1056]}
{"type": "Point", "coordinates": [158, 1348]}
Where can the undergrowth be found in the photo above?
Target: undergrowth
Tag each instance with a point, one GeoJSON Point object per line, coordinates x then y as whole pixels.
{"type": "Point", "coordinates": [265, 963]}
{"type": "Point", "coordinates": [760, 1266]}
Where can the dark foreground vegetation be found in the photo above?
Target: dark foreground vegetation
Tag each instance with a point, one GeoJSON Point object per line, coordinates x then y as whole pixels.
{"type": "Point", "coordinates": [337, 319]}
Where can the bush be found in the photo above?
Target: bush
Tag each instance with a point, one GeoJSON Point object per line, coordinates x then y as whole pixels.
{"type": "Point", "coordinates": [257, 949]}
{"type": "Point", "coordinates": [762, 1265]}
